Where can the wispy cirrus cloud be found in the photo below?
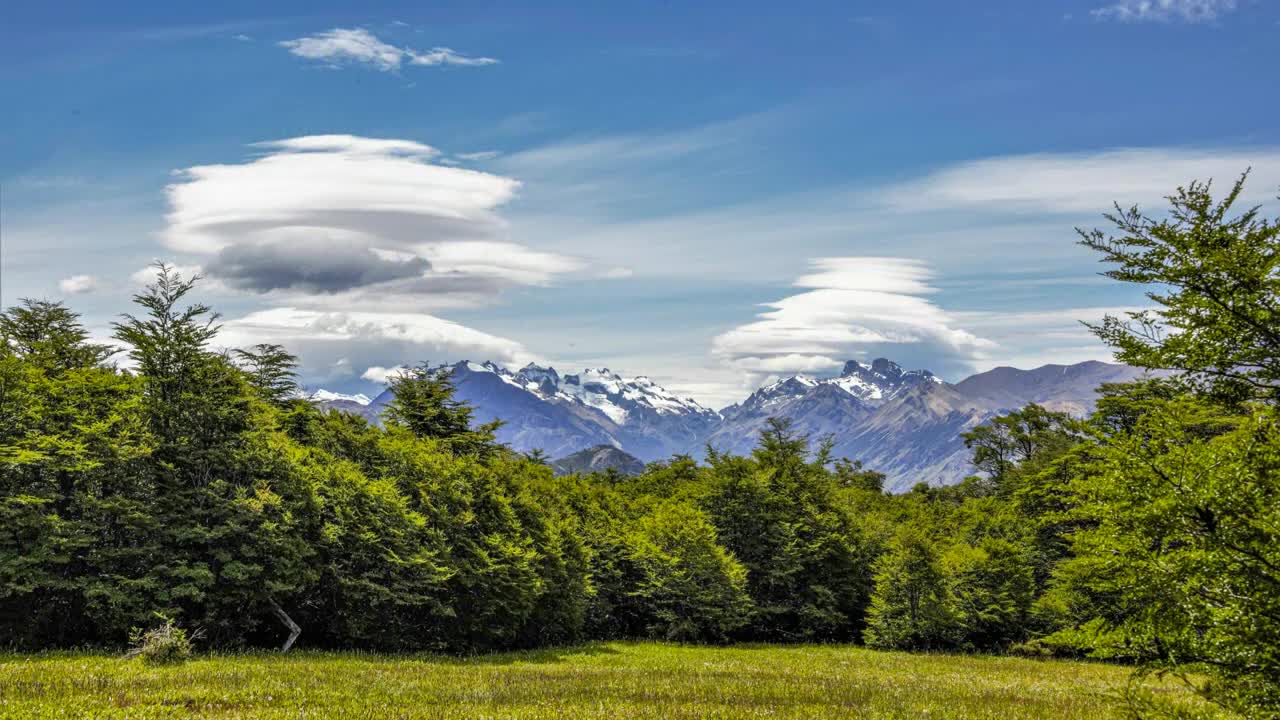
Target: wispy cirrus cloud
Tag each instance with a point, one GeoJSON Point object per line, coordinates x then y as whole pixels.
{"type": "Point", "coordinates": [1031, 338]}
{"type": "Point", "coordinates": [479, 156]}
{"type": "Point", "coordinates": [1187, 11]}
{"type": "Point", "coordinates": [357, 46]}
{"type": "Point", "coordinates": [1085, 182]}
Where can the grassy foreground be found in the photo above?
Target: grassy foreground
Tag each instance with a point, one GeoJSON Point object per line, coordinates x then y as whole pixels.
{"type": "Point", "coordinates": [641, 680]}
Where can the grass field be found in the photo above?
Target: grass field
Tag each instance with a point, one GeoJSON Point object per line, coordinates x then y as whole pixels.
{"type": "Point", "coordinates": [641, 680]}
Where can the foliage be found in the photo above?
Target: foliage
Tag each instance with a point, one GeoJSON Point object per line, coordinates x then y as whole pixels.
{"type": "Point", "coordinates": [808, 571]}
{"type": "Point", "coordinates": [911, 608]}
{"type": "Point", "coordinates": [423, 404]}
{"type": "Point", "coordinates": [166, 644]}
{"type": "Point", "coordinates": [1007, 441]}
{"type": "Point", "coordinates": [49, 335]}
{"type": "Point", "coordinates": [270, 370]}
{"type": "Point", "coordinates": [197, 485]}
{"type": "Point", "coordinates": [1182, 557]}
{"type": "Point", "coordinates": [1216, 281]}
{"type": "Point", "coordinates": [691, 588]}
{"type": "Point", "coordinates": [1175, 560]}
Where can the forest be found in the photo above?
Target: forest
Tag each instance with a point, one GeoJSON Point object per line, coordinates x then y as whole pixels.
{"type": "Point", "coordinates": [161, 480]}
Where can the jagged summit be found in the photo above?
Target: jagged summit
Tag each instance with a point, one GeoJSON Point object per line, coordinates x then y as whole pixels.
{"type": "Point", "coordinates": [871, 384]}
{"type": "Point", "coordinates": [905, 423]}
{"type": "Point", "coordinates": [619, 398]}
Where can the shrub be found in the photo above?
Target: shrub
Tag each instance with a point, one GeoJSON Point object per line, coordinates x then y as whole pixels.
{"type": "Point", "coordinates": [167, 644]}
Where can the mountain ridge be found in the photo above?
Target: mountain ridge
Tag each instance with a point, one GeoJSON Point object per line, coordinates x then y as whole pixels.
{"type": "Point", "coordinates": [904, 423]}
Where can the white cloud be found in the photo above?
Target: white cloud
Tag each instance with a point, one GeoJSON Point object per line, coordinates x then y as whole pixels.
{"type": "Point", "coordinates": [78, 284]}
{"type": "Point", "coordinates": [147, 275]}
{"type": "Point", "coordinates": [415, 328]}
{"type": "Point", "coordinates": [369, 339]}
{"type": "Point", "coordinates": [340, 219]}
{"type": "Point", "coordinates": [447, 56]}
{"type": "Point", "coordinates": [791, 363]}
{"type": "Point", "coordinates": [1083, 182]}
{"type": "Point", "coordinates": [671, 193]}
{"type": "Point", "coordinates": [499, 260]}
{"type": "Point", "coordinates": [1191, 11]}
{"type": "Point", "coordinates": [1031, 338]}
{"type": "Point", "coordinates": [381, 375]}
{"type": "Point", "coordinates": [479, 156]}
{"type": "Point", "coordinates": [351, 45]}
{"type": "Point", "coordinates": [352, 144]}
{"type": "Point", "coordinates": [346, 46]}
{"type": "Point", "coordinates": [852, 306]}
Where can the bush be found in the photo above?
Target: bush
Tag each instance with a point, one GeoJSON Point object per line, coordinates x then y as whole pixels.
{"type": "Point", "coordinates": [164, 645]}
{"type": "Point", "coordinates": [691, 588]}
{"type": "Point", "coordinates": [912, 607]}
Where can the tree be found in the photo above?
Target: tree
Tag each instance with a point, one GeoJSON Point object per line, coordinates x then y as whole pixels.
{"type": "Point", "coordinates": [1175, 560]}
{"type": "Point", "coordinates": [807, 568]}
{"type": "Point", "coordinates": [271, 370]}
{"type": "Point", "coordinates": [1216, 280]}
{"type": "Point", "coordinates": [194, 399]}
{"type": "Point", "coordinates": [1179, 562]}
{"type": "Point", "coordinates": [71, 440]}
{"type": "Point", "coordinates": [1004, 442]}
{"type": "Point", "coordinates": [221, 516]}
{"type": "Point", "coordinates": [50, 336]}
{"type": "Point", "coordinates": [851, 474]}
{"type": "Point", "coordinates": [911, 607]}
{"type": "Point", "coordinates": [423, 403]}
{"type": "Point", "coordinates": [992, 587]}
{"type": "Point", "coordinates": [690, 587]}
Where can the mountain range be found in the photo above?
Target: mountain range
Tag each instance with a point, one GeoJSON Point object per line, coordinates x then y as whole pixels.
{"type": "Point", "coordinates": [904, 423]}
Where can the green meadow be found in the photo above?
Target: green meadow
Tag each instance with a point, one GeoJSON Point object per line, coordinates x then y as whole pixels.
{"type": "Point", "coordinates": [614, 680]}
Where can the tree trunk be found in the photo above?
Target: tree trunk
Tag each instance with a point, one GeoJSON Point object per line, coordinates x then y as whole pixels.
{"type": "Point", "coordinates": [294, 629]}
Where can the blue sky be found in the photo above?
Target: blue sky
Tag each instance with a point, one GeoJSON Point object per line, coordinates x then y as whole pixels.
{"type": "Point", "coordinates": [706, 193]}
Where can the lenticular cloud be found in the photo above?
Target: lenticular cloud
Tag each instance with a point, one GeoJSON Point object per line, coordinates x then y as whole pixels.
{"type": "Point", "coordinates": [339, 214]}
{"type": "Point", "coordinates": [850, 306]}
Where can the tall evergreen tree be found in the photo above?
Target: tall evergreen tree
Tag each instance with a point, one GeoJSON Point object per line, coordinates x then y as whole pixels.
{"type": "Point", "coordinates": [271, 370]}
{"type": "Point", "coordinates": [423, 403]}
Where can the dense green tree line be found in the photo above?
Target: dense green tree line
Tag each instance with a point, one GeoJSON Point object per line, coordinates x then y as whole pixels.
{"type": "Point", "coordinates": [193, 483]}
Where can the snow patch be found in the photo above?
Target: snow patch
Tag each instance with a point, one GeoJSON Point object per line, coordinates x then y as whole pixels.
{"type": "Point", "coordinates": [323, 395]}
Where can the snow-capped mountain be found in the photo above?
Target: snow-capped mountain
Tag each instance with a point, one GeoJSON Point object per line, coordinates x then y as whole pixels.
{"type": "Point", "coordinates": [327, 396]}
{"type": "Point", "coordinates": [906, 424]}
{"type": "Point", "coordinates": [870, 385]}
{"type": "Point", "coordinates": [562, 414]}
{"type": "Point", "coordinates": [621, 400]}
{"type": "Point", "coordinates": [635, 414]}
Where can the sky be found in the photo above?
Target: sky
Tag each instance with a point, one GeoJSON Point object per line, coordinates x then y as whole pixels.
{"type": "Point", "coordinates": [710, 194]}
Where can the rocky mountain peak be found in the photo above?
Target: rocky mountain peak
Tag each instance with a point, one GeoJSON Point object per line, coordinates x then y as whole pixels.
{"type": "Point", "coordinates": [905, 423]}
{"type": "Point", "coordinates": [545, 379]}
